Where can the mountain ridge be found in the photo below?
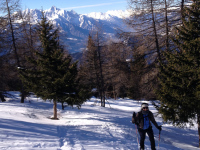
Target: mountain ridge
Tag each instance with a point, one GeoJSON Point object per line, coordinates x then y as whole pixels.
{"type": "Point", "coordinates": [75, 27]}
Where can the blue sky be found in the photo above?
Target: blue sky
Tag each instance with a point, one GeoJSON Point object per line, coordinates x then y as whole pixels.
{"type": "Point", "coordinates": [80, 6]}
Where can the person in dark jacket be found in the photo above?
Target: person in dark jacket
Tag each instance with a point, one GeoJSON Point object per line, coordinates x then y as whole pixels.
{"type": "Point", "coordinates": [143, 121]}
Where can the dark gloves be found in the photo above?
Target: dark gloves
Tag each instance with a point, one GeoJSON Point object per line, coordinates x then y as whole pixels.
{"type": "Point", "coordinates": [159, 128]}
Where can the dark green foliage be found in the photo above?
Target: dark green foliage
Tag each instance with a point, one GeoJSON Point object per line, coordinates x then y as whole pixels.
{"type": "Point", "coordinates": [78, 94]}
{"type": "Point", "coordinates": [52, 75]}
{"type": "Point", "coordinates": [137, 68]}
{"type": "Point", "coordinates": [179, 90]}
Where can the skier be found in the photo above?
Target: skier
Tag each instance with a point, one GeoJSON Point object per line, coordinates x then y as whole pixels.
{"type": "Point", "coordinates": [143, 121]}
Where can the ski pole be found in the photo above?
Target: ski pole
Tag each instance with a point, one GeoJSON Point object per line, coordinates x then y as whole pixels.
{"type": "Point", "coordinates": [137, 135]}
{"type": "Point", "coordinates": [159, 139]}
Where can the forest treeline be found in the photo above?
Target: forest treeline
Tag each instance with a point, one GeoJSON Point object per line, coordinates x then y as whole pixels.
{"type": "Point", "coordinates": [128, 68]}
{"type": "Point", "coordinates": [158, 60]}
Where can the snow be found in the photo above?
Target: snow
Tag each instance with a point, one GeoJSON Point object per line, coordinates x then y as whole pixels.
{"type": "Point", "coordinates": [80, 25]}
{"type": "Point", "coordinates": [26, 126]}
{"type": "Point", "coordinates": [109, 14]}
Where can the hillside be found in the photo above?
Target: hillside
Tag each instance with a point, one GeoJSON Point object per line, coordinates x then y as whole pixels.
{"type": "Point", "coordinates": [26, 126]}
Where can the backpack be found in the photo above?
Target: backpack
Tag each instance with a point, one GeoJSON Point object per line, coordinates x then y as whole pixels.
{"type": "Point", "coordinates": [139, 118]}
{"type": "Point", "coordinates": [134, 118]}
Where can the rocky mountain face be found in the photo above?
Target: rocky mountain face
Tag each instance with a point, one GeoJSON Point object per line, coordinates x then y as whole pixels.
{"type": "Point", "coordinates": [75, 28]}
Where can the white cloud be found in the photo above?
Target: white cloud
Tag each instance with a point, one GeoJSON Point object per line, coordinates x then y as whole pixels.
{"type": "Point", "coordinates": [95, 5]}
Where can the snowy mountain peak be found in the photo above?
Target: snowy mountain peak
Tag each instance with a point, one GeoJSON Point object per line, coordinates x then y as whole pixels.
{"type": "Point", "coordinates": [77, 26]}
{"type": "Point", "coordinates": [109, 14]}
{"type": "Point", "coordinates": [73, 12]}
{"type": "Point", "coordinates": [54, 8]}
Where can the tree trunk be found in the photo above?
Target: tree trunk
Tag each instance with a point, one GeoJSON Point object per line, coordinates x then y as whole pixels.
{"type": "Point", "coordinates": [54, 109]}
{"type": "Point", "coordinates": [198, 121]}
{"type": "Point", "coordinates": [22, 97]}
{"type": "Point", "coordinates": [101, 74]}
{"type": "Point", "coordinates": [167, 28]}
{"type": "Point", "coordinates": [155, 32]}
{"type": "Point", "coordinates": [22, 94]}
{"type": "Point", "coordinates": [63, 107]}
{"type": "Point", "coordinates": [2, 97]}
{"type": "Point", "coordinates": [15, 47]}
{"type": "Point", "coordinates": [182, 7]}
{"type": "Point", "coordinates": [13, 35]}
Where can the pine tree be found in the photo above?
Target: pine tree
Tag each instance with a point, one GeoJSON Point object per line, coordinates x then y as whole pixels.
{"type": "Point", "coordinates": [94, 65]}
{"type": "Point", "coordinates": [51, 75]}
{"type": "Point", "coordinates": [137, 68]}
{"type": "Point", "coordinates": [179, 90]}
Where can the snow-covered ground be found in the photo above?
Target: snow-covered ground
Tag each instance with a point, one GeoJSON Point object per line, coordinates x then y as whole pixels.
{"type": "Point", "coordinates": [26, 126]}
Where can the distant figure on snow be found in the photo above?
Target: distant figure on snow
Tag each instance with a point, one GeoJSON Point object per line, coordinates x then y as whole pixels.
{"type": "Point", "coordinates": [143, 121]}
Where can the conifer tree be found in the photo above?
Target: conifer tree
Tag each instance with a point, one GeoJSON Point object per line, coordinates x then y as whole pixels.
{"type": "Point", "coordinates": [94, 64]}
{"type": "Point", "coordinates": [51, 75]}
{"type": "Point", "coordinates": [179, 90]}
{"type": "Point", "coordinates": [137, 68]}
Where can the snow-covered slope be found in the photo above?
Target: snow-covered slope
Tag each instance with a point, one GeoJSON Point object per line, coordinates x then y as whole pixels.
{"type": "Point", "coordinates": [76, 27]}
{"type": "Point", "coordinates": [26, 126]}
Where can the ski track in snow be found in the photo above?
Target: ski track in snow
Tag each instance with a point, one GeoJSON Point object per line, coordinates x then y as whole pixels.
{"type": "Point", "coordinates": [26, 126]}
